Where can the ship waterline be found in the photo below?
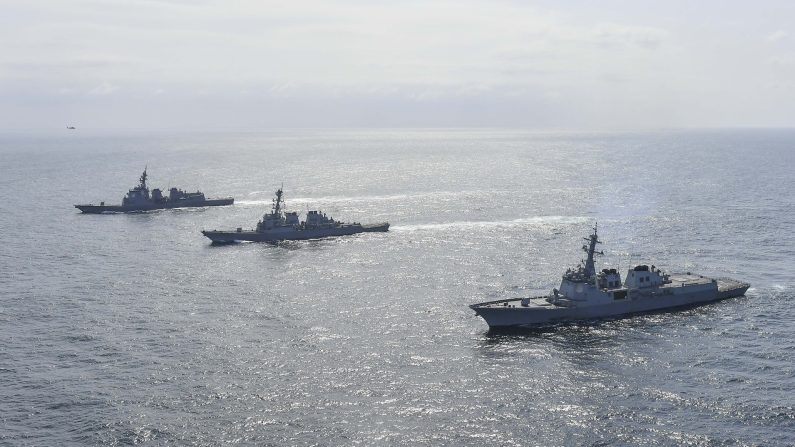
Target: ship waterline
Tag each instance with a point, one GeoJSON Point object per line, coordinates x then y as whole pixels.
{"type": "Point", "coordinates": [222, 237]}
{"type": "Point", "coordinates": [99, 209]}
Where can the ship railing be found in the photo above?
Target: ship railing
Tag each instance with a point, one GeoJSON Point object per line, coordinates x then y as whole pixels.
{"type": "Point", "coordinates": [507, 300]}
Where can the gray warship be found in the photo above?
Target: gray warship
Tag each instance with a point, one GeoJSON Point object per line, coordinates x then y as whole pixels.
{"type": "Point", "coordinates": [139, 199]}
{"type": "Point", "coordinates": [278, 225]}
{"type": "Point", "coordinates": [586, 294]}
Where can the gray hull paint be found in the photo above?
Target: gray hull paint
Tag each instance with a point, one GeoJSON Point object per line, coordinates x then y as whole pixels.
{"type": "Point", "coordinates": [224, 237]}
{"type": "Point", "coordinates": [99, 209]}
{"type": "Point", "coordinates": [519, 316]}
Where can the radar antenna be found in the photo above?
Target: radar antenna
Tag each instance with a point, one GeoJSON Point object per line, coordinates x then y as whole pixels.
{"type": "Point", "coordinates": [590, 248]}
{"type": "Point", "coordinates": [278, 201]}
{"type": "Point", "coordinates": [143, 178]}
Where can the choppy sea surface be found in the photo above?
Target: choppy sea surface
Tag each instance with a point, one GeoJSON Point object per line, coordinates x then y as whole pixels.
{"type": "Point", "coordinates": [132, 329]}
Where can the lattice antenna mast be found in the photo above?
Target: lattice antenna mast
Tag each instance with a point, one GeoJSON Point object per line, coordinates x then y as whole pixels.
{"type": "Point", "coordinates": [590, 249]}
{"type": "Point", "coordinates": [278, 202]}
{"type": "Point", "coordinates": [143, 179]}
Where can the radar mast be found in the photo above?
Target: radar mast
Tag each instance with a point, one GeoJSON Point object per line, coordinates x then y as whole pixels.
{"type": "Point", "coordinates": [277, 202]}
{"type": "Point", "coordinates": [143, 179]}
{"type": "Point", "coordinates": [590, 248]}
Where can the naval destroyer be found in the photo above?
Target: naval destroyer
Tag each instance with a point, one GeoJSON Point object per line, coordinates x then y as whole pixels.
{"type": "Point", "coordinates": [139, 199]}
{"type": "Point", "coordinates": [279, 225]}
{"type": "Point", "coordinates": [586, 294]}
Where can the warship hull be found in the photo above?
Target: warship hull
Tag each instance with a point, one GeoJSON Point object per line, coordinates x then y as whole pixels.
{"type": "Point", "coordinates": [291, 234]}
{"type": "Point", "coordinates": [99, 209]}
{"type": "Point", "coordinates": [512, 314]}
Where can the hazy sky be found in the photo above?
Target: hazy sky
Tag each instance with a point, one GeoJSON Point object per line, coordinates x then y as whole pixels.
{"type": "Point", "coordinates": [258, 64]}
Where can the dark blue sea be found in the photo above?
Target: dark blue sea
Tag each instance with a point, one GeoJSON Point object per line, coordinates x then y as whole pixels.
{"type": "Point", "coordinates": [133, 329]}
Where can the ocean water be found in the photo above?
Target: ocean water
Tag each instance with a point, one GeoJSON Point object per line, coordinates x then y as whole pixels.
{"type": "Point", "coordinates": [133, 329]}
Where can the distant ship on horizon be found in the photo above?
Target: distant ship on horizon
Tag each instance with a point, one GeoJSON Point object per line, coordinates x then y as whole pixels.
{"type": "Point", "coordinates": [139, 199]}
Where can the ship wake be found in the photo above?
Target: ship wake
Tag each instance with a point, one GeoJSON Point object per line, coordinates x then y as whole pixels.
{"type": "Point", "coordinates": [525, 221]}
{"type": "Point", "coordinates": [440, 196]}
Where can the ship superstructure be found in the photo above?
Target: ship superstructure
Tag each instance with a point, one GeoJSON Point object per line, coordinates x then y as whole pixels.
{"type": "Point", "coordinates": [586, 294]}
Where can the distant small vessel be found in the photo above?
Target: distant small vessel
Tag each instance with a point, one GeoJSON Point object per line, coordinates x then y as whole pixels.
{"type": "Point", "coordinates": [139, 199]}
{"type": "Point", "coordinates": [71, 127]}
{"type": "Point", "coordinates": [278, 225]}
{"type": "Point", "coordinates": [586, 294]}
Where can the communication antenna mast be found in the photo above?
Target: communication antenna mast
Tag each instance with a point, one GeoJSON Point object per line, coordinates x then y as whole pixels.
{"type": "Point", "coordinates": [590, 248]}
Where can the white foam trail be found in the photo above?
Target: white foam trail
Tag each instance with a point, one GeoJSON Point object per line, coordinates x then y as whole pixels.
{"type": "Point", "coordinates": [443, 195]}
{"type": "Point", "coordinates": [491, 224]}
{"type": "Point", "coordinates": [252, 202]}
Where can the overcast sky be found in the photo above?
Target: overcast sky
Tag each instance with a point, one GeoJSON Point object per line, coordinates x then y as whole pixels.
{"type": "Point", "coordinates": [254, 64]}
